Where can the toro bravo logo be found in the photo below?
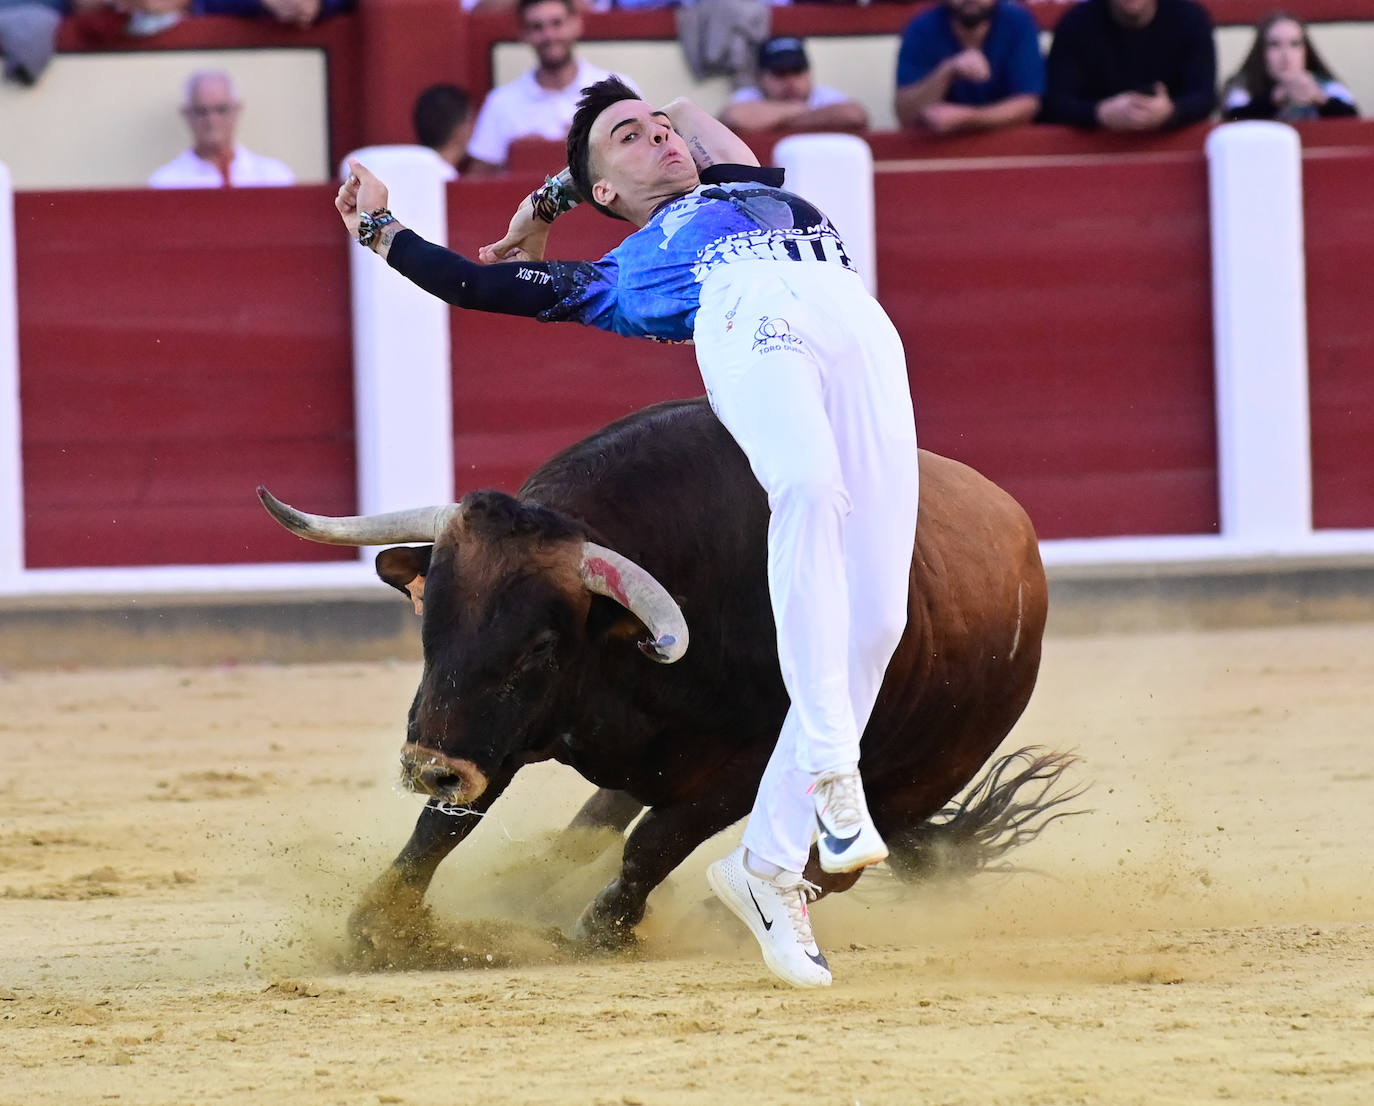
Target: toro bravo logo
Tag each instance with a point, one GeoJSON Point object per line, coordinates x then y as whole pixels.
{"type": "Point", "coordinates": [774, 334]}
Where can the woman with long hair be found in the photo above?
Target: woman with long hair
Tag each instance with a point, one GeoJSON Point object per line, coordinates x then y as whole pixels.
{"type": "Point", "coordinates": [1283, 77]}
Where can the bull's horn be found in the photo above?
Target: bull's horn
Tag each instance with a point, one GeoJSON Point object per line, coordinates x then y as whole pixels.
{"type": "Point", "coordinates": [611, 574]}
{"type": "Point", "coordinates": [418, 524]}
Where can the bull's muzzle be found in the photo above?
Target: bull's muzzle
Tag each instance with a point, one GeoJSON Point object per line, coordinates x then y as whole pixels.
{"type": "Point", "coordinates": [450, 779]}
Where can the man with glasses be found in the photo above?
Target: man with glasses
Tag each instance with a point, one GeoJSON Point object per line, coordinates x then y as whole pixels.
{"type": "Point", "coordinates": [215, 159]}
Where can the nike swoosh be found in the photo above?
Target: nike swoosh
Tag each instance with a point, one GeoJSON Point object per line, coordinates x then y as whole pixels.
{"type": "Point", "coordinates": [819, 958]}
{"type": "Point", "coordinates": [767, 925]}
{"type": "Point", "coordinates": [832, 842]}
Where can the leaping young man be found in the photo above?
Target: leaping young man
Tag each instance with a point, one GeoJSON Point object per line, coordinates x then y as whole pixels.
{"type": "Point", "coordinates": [805, 370]}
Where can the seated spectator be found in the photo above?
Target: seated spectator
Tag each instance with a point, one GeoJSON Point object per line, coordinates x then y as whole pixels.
{"type": "Point", "coordinates": [786, 98]}
{"type": "Point", "coordinates": [443, 121]}
{"type": "Point", "coordinates": [969, 65]}
{"type": "Point", "coordinates": [1283, 77]}
{"type": "Point", "coordinates": [540, 103]}
{"type": "Point", "coordinates": [1132, 65]}
{"type": "Point", "coordinates": [215, 160]}
{"type": "Point", "coordinates": [300, 13]}
{"type": "Point", "coordinates": [150, 17]}
{"type": "Point", "coordinates": [28, 36]}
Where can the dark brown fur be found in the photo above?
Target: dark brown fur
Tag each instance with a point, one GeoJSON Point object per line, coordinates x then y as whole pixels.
{"type": "Point", "coordinates": [521, 664]}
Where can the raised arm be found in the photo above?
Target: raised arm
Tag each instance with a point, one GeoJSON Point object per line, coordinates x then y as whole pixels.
{"type": "Point", "coordinates": [529, 288]}
{"type": "Point", "coordinates": [710, 141]}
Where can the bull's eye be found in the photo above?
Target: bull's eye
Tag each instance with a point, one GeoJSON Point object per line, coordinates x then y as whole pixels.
{"type": "Point", "coordinates": [540, 652]}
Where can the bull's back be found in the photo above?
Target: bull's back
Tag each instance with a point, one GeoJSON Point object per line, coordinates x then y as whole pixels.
{"type": "Point", "coordinates": [976, 610]}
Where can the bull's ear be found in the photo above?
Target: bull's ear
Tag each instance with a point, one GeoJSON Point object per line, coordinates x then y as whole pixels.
{"type": "Point", "coordinates": [401, 564]}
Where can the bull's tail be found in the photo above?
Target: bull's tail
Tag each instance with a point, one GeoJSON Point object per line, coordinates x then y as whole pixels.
{"type": "Point", "coordinates": [1011, 805]}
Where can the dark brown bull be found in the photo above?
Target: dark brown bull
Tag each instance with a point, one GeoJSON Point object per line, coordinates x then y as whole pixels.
{"type": "Point", "coordinates": [535, 610]}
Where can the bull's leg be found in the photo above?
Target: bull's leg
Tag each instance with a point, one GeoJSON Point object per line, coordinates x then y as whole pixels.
{"type": "Point", "coordinates": [607, 809]}
{"type": "Point", "coordinates": [660, 841]}
{"type": "Point", "coordinates": [595, 827]}
{"type": "Point", "coordinates": [391, 917]}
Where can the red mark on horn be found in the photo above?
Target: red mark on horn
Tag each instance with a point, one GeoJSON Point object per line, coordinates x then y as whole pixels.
{"type": "Point", "coordinates": [610, 576]}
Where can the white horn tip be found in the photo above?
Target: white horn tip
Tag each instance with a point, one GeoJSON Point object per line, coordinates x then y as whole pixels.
{"type": "Point", "coordinates": [664, 650]}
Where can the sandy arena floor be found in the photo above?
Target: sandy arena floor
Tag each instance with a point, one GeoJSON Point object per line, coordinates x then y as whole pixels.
{"type": "Point", "coordinates": [179, 849]}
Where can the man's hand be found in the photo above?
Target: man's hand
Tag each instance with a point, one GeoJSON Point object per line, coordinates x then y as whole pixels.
{"type": "Point", "coordinates": [302, 13]}
{"type": "Point", "coordinates": [360, 192]}
{"type": "Point", "coordinates": [945, 118]}
{"type": "Point", "coordinates": [971, 65]}
{"type": "Point", "coordinates": [525, 240]}
{"type": "Point", "coordinates": [1136, 111]}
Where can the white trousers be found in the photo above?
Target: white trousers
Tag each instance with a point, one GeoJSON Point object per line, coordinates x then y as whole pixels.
{"type": "Point", "coordinates": [808, 374]}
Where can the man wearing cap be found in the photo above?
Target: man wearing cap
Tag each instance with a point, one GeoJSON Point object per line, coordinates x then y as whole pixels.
{"type": "Point", "coordinates": [970, 65]}
{"type": "Point", "coordinates": [786, 98]}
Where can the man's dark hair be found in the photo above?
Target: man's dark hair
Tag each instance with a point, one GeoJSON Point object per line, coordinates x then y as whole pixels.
{"type": "Point", "coordinates": [596, 98]}
{"type": "Point", "coordinates": [439, 111]}
{"type": "Point", "coordinates": [521, 7]}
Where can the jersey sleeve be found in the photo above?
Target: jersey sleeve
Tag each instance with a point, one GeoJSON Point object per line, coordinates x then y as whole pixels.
{"type": "Point", "coordinates": [551, 291]}
{"type": "Point", "coordinates": [509, 288]}
{"type": "Point", "coordinates": [589, 292]}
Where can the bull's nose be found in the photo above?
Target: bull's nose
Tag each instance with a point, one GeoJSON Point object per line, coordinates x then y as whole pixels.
{"type": "Point", "coordinates": [430, 772]}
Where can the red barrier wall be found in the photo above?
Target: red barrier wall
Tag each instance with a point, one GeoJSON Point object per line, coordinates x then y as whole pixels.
{"type": "Point", "coordinates": [179, 348]}
{"type": "Point", "coordinates": [1058, 328]}
{"type": "Point", "coordinates": [1340, 326]}
{"type": "Point", "coordinates": [176, 350]}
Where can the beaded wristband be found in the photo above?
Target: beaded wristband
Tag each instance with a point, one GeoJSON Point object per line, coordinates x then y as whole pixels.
{"type": "Point", "coordinates": [370, 223]}
{"type": "Point", "coordinates": [554, 197]}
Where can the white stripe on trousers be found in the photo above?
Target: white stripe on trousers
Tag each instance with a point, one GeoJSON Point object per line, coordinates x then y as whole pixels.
{"type": "Point", "coordinates": [808, 374]}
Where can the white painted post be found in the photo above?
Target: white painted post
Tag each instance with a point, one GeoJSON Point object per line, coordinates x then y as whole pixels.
{"type": "Point", "coordinates": [835, 172]}
{"type": "Point", "coordinates": [401, 382]}
{"type": "Point", "coordinates": [11, 455]}
{"type": "Point", "coordinates": [1259, 312]}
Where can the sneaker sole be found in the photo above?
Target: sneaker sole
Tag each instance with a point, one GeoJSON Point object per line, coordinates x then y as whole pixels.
{"type": "Point", "coordinates": [851, 862]}
{"type": "Point", "coordinates": [721, 890]}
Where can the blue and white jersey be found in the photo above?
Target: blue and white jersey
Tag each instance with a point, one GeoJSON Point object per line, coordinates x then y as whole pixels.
{"type": "Point", "coordinates": [650, 285]}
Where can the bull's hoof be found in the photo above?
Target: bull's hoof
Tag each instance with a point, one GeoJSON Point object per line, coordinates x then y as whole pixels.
{"type": "Point", "coordinates": [603, 928]}
{"type": "Point", "coordinates": [389, 927]}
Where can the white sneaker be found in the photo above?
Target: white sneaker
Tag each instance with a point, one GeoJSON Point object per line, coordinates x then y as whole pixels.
{"type": "Point", "coordinates": [846, 837]}
{"type": "Point", "coordinates": [775, 912]}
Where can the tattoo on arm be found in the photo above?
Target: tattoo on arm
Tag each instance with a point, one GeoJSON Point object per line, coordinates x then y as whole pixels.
{"type": "Point", "coordinates": [385, 236]}
{"type": "Point", "coordinates": [699, 154]}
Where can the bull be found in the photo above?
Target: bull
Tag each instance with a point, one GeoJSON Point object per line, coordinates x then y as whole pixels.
{"type": "Point", "coordinates": [544, 614]}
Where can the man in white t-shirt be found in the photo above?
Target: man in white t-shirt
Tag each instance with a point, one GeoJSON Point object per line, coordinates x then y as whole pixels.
{"type": "Point", "coordinates": [786, 98]}
{"type": "Point", "coordinates": [215, 160]}
{"type": "Point", "coordinates": [539, 104]}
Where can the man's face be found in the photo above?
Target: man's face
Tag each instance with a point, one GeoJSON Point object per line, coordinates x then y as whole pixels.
{"type": "Point", "coordinates": [792, 85]}
{"type": "Point", "coordinates": [637, 157]}
{"type": "Point", "coordinates": [551, 31]}
{"type": "Point", "coordinates": [971, 13]}
{"type": "Point", "coordinates": [1134, 13]}
{"type": "Point", "coordinates": [212, 114]}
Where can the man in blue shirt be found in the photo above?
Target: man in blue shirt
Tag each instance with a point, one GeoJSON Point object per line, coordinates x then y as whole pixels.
{"type": "Point", "coordinates": [808, 374]}
{"type": "Point", "coordinates": [969, 65]}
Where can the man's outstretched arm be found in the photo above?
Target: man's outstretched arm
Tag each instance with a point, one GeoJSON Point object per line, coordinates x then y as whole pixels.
{"type": "Point", "coordinates": [520, 288]}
